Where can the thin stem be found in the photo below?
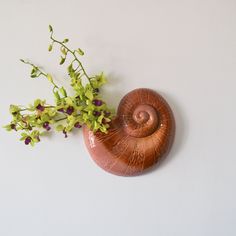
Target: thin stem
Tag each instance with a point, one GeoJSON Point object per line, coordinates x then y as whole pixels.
{"type": "Point", "coordinates": [64, 118]}
{"type": "Point", "coordinates": [34, 66]}
{"type": "Point", "coordinates": [74, 54]}
{"type": "Point", "coordinates": [55, 86]}
{"type": "Point", "coordinates": [40, 72]}
{"type": "Point", "coordinates": [49, 106]}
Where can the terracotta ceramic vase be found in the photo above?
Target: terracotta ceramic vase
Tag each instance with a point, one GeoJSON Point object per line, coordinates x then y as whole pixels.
{"type": "Point", "coordinates": [140, 135]}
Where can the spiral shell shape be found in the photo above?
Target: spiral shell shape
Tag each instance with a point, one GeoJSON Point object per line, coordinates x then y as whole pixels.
{"type": "Point", "coordinates": [139, 137]}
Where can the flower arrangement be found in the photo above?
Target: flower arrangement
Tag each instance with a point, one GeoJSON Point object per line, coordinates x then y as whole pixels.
{"type": "Point", "coordinates": [84, 107]}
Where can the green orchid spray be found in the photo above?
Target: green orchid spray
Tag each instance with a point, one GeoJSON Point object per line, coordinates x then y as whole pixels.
{"type": "Point", "coordinates": [84, 107]}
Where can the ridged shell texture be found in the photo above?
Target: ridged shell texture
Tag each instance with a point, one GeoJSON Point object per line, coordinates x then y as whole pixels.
{"type": "Point", "coordinates": [139, 137]}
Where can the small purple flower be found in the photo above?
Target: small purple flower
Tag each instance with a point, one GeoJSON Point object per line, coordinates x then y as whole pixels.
{"type": "Point", "coordinates": [28, 140]}
{"type": "Point", "coordinates": [70, 110]}
{"type": "Point", "coordinates": [97, 102]}
{"type": "Point", "coordinates": [77, 125]}
{"type": "Point", "coordinates": [40, 107]}
{"type": "Point", "coordinates": [46, 126]}
{"type": "Point", "coordinates": [96, 113]}
{"type": "Point", "coordinates": [65, 133]}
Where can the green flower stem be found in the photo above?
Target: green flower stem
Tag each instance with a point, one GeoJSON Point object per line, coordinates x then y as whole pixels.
{"type": "Point", "coordinates": [31, 64]}
{"type": "Point", "coordinates": [49, 106]}
{"type": "Point", "coordinates": [20, 126]}
{"type": "Point", "coordinates": [40, 72]}
{"type": "Point", "coordinates": [64, 118]}
{"type": "Point", "coordinates": [84, 107]}
{"type": "Point", "coordinates": [74, 55]}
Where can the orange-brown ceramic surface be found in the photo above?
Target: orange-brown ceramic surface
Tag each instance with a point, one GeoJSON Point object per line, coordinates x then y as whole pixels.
{"type": "Point", "coordinates": [139, 137]}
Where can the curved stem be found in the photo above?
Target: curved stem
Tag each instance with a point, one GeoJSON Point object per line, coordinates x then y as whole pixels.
{"type": "Point", "coordinates": [34, 66]}
{"type": "Point", "coordinates": [73, 53]}
{"type": "Point", "coordinates": [40, 72]}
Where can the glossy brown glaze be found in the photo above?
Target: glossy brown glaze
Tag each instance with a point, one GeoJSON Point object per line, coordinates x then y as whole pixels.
{"type": "Point", "coordinates": [139, 137]}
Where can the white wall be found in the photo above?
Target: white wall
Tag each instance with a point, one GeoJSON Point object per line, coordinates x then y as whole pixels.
{"type": "Point", "coordinates": [184, 49]}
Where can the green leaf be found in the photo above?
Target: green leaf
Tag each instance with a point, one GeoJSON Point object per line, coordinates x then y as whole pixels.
{"type": "Point", "coordinates": [80, 51]}
{"type": "Point", "coordinates": [96, 126]}
{"type": "Point", "coordinates": [50, 28]}
{"type": "Point", "coordinates": [50, 47]}
{"type": "Point", "coordinates": [57, 96]}
{"type": "Point", "coordinates": [52, 112]}
{"type": "Point", "coordinates": [14, 109]}
{"type": "Point", "coordinates": [101, 79]}
{"type": "Point", "coordinates": [7, 127]}
{"type": "Point", "coordinates": [37, 102]}
{"type": "Point", "coordinates": [85, 116]}
{"type": "Point", "coordinates": [33, 75]}
{"type": "Point", "coordinates": [62, 60]}
{"type": "Point", "coordinates": [100, 118]}
{"type": "Point", "coordinates": [63, 91]}
{"type": "Point", "coordinates": [35, 133]}
{"type": "Point", "coordinates": [71, 119]}
{"type": "Point", "coordinates": [63, 50]}
{"type": "Point", "coordinates": [32, 143]}
{"type": "Point", "coordinates": [69, 128]}
{"type": "Point", "coordinates": [60, 128]}
{"type": "Point", "coordinates": [76, 83]}
{"type": "Point", "coordinates": [103, 129]}
{"type": "Point", "coordinates": [89, 94]}
{"type": "Point", "coordinates": [70, 68]}
{"type": "Point", "coordinates": [33, 70]}
{"type": "Point", "coordinates": [36, 140]}
{"type": "Point", "coordinates": [45, 117]}
{"type": "Point", "coordinates": [69, 101]}
{"type": "Point", "coordinates": [24, 135]}
{"type": "Point", "coordinates": [65, 40]}
{"type": "Point", "coordinates": [95, 84]}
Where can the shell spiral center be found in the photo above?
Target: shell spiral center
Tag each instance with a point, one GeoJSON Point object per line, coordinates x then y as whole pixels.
{"type": "Point", "coordinates": [144, 121]}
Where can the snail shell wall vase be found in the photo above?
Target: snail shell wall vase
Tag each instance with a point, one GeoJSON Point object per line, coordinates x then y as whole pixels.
{"type": "Point", "coordinates": [140, 135]}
